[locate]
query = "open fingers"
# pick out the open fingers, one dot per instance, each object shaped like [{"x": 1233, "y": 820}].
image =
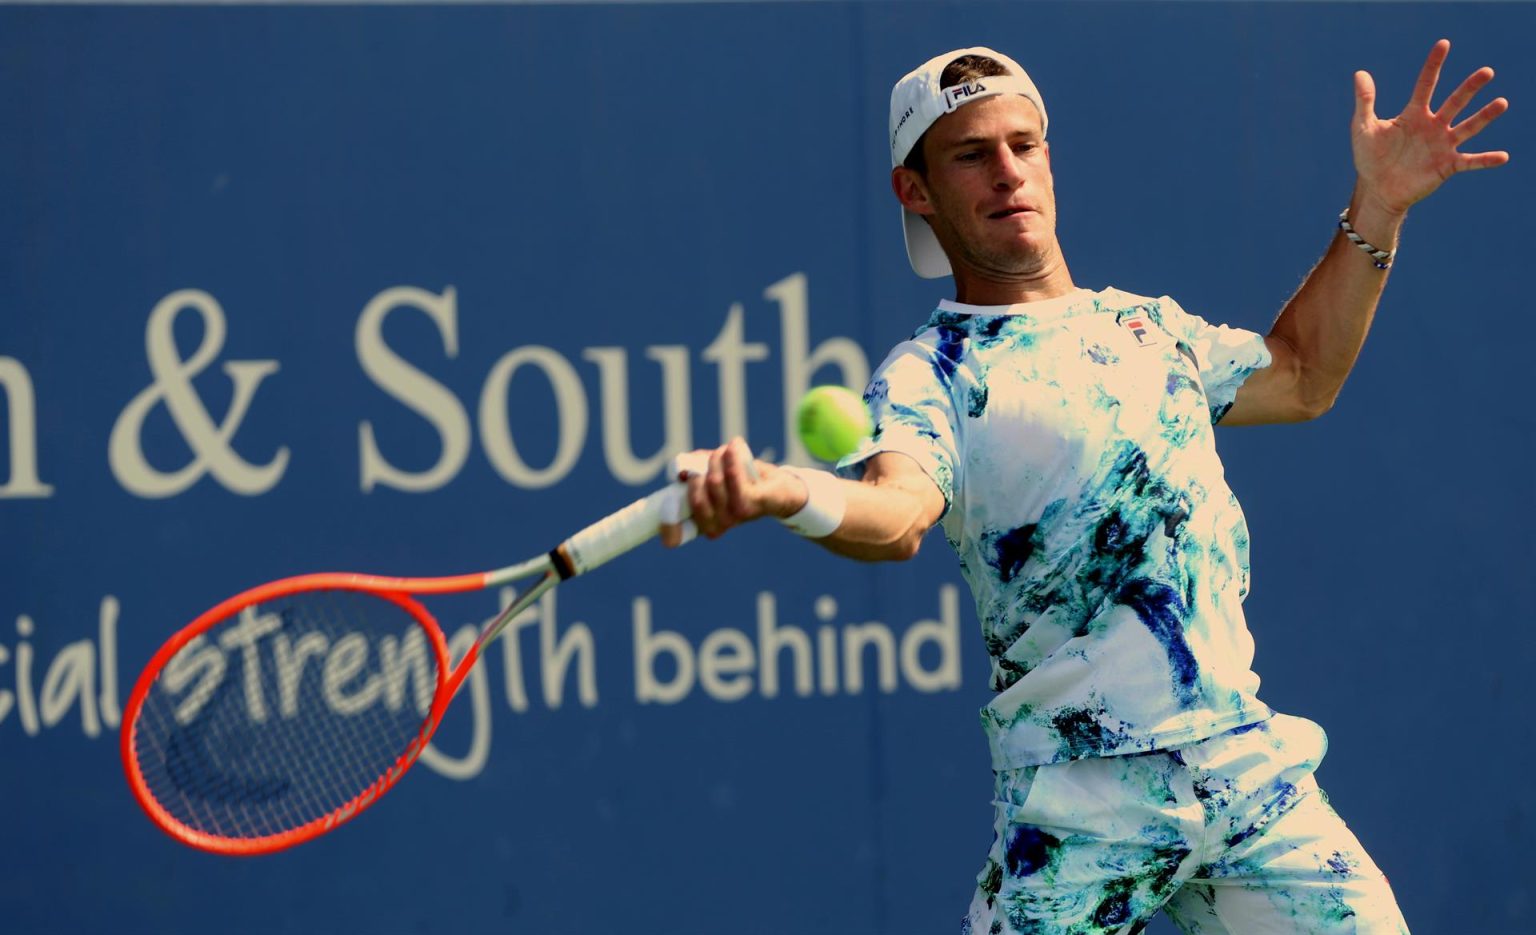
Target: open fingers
[
  {"x": 1429, "y": 75},
  {"x": 1463, "y": 95},
  {"x": 1473, "y": 161},
  {"x": 1365, "y": 97},
  {"x": 1474, "y": 124}
]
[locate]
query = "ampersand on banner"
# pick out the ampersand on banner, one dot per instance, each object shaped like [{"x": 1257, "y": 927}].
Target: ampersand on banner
[{"x": 210, "y": 442}]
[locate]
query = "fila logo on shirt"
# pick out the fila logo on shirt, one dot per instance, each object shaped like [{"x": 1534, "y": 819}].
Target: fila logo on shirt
[{"x": 1140, "y": 328}]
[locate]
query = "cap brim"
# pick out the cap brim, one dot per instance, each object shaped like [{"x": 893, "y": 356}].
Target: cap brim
[{"x": 928, "y": 259}]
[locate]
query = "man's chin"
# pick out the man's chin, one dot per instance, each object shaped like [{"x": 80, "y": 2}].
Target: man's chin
[{"x": 1018, "y": 261}]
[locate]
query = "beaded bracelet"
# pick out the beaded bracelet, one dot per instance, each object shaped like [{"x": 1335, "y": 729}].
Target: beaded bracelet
[{"x": 1383, "y": 258}]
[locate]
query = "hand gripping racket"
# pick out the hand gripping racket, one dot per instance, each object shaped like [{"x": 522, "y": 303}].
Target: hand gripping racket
[{"x": 288, "y": 709}]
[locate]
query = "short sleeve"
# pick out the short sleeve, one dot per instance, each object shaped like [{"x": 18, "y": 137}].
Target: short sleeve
[
  {"x": 1226, "y": 356},
  {"x": 911, "y": 400}
]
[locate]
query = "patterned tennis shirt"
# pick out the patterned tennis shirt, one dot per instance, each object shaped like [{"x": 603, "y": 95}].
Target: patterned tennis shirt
[{"x": 1073, "y": 442}]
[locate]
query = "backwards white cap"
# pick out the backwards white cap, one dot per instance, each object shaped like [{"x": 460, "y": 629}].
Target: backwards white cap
[{"x": 916, "y": 102}]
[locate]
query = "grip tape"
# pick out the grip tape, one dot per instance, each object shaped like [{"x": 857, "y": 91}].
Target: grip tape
[{"x": 612, "y": 536}]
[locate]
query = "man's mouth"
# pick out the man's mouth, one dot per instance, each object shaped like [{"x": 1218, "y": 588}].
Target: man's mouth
[{"x": 1007, "y": 212}]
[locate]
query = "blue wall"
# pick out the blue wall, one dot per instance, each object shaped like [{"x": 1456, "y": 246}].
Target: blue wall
[{"x": 658, "y": 181}]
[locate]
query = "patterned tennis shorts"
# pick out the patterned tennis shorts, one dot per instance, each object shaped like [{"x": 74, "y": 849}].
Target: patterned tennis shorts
[{"x": 1230, "y": 834}]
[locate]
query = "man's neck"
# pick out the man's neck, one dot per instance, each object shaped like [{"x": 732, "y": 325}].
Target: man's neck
[{"x": 975, "y": 288}]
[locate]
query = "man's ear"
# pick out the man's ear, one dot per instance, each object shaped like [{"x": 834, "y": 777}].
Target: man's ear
[{"x": 911, "y": 190}]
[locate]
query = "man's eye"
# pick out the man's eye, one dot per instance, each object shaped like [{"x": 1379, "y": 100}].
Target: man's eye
[
  {"x": 968, "y": 157},
  {"x": 1024, "y": 149}
]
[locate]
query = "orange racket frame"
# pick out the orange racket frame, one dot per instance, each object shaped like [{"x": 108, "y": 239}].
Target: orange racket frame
[{"x": 596, "y": 544}]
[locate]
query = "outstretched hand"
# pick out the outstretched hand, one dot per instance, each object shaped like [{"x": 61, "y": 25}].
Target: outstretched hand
[{"x": 1404, "y": 159}]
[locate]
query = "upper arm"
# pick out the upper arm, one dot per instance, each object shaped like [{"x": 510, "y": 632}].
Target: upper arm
[
  {"x": 1271, "y": 394},
  {"x": 911, "y": 400},
  {"x": 892, "y": 470},
  {"x": 1249, "y": 379},
  {"x": 909, "y": 470}
]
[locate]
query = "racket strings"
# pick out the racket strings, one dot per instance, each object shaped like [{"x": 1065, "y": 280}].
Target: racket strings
[{"x": 285, "y": 712}]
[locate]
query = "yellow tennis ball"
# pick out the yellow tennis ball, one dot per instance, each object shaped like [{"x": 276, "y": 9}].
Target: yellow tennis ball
[{"x": 833, "y": 421}]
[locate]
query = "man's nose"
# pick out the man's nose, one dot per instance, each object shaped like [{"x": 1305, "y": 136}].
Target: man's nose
[{"x": 1008, "y": 174}]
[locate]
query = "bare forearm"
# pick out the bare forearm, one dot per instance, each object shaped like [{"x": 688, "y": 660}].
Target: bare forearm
[
  {"x": 881, "y": 518},
  {"x": 1326, "y": 322},
  {"x": 1398, "y": 161},
  {"x": 884, "y": 523}
]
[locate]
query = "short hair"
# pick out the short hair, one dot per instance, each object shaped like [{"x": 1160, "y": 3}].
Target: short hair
[{"x": 965, "y": 68}]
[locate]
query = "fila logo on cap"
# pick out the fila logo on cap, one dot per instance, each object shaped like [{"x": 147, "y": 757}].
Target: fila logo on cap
[{"x": 955, "y": 96}]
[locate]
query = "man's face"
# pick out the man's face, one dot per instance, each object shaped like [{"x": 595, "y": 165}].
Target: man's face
[{"x": 988, "y": 192}]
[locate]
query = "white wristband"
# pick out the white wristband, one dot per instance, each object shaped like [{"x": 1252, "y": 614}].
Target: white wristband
[{"x": 825, "y": 504}]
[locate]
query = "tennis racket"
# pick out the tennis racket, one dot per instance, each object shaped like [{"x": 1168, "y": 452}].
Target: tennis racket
[{"x": 287, "y": 710}]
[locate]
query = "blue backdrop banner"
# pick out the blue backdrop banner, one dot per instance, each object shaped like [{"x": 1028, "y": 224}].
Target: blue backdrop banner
[{"x": 420, "y": 290}]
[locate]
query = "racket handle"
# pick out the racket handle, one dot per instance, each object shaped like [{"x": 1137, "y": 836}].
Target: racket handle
[{"x": 617, "y": 533}]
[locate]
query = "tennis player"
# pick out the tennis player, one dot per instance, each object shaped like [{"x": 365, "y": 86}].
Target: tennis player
[{"x": 1063, "y": 438}]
